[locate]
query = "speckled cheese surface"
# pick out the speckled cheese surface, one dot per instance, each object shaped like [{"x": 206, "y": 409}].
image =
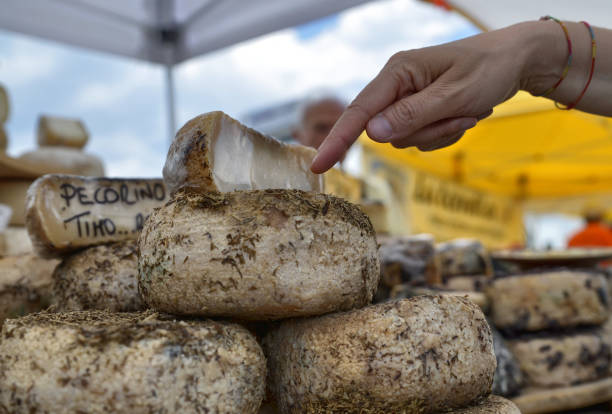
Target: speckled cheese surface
[
  {"x": 549, "y": 300},
  {"x": 263, "y": 254},
  {"x": 213, "y": 152},
  {"x": 564, "y": 360},
  {"x": 100, "y": 362},
  {"x": 418, "y": 355},
  {"x": 103, "y": 277}
]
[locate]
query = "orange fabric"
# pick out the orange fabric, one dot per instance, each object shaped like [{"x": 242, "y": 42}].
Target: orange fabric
[{"x": 593, "y": 235}]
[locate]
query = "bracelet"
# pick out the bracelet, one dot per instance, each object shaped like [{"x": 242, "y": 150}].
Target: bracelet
[
  {"x": 569, "y": 51},
  {"x": 593, "y": 54}
]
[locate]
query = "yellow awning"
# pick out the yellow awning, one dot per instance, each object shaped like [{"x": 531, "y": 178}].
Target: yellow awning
[{"x": 527, "y": 148}]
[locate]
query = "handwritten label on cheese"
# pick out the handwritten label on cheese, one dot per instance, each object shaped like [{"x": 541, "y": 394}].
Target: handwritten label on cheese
[{"x": 68, "y": 212}]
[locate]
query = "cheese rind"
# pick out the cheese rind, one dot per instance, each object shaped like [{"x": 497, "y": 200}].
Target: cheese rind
[
  {"x": 101, "y": 277},
  {"x": 419, "y": 355},
  {"x": 493, "y": 404},
  {"x": 25, "y": 285},
  {"x": 462, "y": 257},
  {"x": 3, "y": 140},
  {"x": 564, "y": 360},
  {"x": 257, "y": 255},
  {"x": 214, "y": 152},
  {"x": 137, "y": 363},
  {"x": 65, "y": 213},
  {"x": 549, "y": 300},
  {"x": 62, "y": 132},
  {"x": 65, "y": 160}
]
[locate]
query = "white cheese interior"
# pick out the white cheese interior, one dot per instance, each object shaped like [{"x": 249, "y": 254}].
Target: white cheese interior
[
  {"x": 245, "y": 162},
  {"x": 67, "y": 129}
]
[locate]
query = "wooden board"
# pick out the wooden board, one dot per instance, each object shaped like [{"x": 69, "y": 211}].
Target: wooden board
[
  {"x": 561, "y": 399},
  {"x": 578, "y": 257}
]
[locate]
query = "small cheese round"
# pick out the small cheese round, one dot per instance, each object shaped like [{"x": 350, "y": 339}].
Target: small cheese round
[
  {"x": 491, "y": 405},
  {"x": 549, "y": 300},
  {"x": 25, "y": 285},
  {"x": 563, "y": 360},
  {"x": 260, "y": 254},
  {"x": 4, "y": 105},
  {"x": 99, "y": 277},
  {"x": 102, "y": 362},
  {"x": 418, "y": 355},
  {"x": 66, "y": 160},
  {"x": 3, "y": 140}
]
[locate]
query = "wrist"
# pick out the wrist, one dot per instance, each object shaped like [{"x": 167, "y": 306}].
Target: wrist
[{"x": 545, "y": 57}]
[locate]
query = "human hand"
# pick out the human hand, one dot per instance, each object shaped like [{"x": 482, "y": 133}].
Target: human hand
[{"x": 429, "y": 97}]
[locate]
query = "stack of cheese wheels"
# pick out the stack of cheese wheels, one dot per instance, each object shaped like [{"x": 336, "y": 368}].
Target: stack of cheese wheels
[
  {"x": 92, "y": 224},
  {"x": 554, "y": 323},
  {"x": 248, "y": 235},
  {"x": 464, "y": 264}
]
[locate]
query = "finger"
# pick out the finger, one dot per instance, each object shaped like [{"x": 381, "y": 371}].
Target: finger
[
  {"x": 376, "y": 96},
  {"x": 484, "y": 115},
  {"x": 447, "y": 142},
  {"x": 409, "y": 114},
  {"x": 435, "y": 133}
]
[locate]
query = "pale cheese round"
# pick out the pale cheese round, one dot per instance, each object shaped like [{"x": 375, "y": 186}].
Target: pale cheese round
[
  {"x": 66, "y": 160},
  {"x": 420, "y": 355},
  {"x": 549, "y": 300},
  {"x": 103, "y": 277},
  {"x": 4, "y": 105},
  {"x": 102, "y": 362},
  {"x": 261, "y": 254}
]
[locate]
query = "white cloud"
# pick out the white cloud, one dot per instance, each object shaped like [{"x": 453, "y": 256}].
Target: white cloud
[{"x": 27, "y": 62}]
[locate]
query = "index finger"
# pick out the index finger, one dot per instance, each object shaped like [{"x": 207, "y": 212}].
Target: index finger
[{"x": 382, "y": 91}]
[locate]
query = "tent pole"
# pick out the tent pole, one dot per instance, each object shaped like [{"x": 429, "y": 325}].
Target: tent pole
[{"x": 170, "y": 104}]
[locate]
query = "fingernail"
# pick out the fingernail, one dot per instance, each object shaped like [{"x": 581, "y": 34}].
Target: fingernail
[{"x": 379, "y": 128}]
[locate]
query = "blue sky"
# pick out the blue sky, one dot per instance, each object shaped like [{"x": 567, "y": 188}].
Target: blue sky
[{"x": 122, "y": 100}]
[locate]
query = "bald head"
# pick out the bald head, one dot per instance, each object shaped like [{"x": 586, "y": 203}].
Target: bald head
[{"x": 316, "y": 120}]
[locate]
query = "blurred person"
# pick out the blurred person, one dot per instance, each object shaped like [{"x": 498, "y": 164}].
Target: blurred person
[
  {"x": 596, "y": 233},
  {"x": 316, "y": 117},
  {"x": 429, "y": 97}
]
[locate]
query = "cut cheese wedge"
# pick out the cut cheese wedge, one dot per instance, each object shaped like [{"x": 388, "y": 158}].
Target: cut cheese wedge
[
  {"x": 214, "y": 152},
  {"x": 64, "y": 212},
  {"x": 4, "y": 105},
  {"x": 63, "y": 132}
]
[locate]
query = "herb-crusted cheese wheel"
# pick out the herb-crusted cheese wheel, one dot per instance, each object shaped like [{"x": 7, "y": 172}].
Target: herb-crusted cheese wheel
[
  {"x": 563, "y": 360},
  {"x": 101, "y": 362},
  {"x": 99, "y": 277},
  {"x": 25, "y": 285},
  {"x": 418, "y": 355},
  {"x": 549, "y": 300},
  {"x": 66, "y": 213},
  {"x": 493, "y": 404},
  {"x": 214, "y": 152},
  {"x": 508, "y": 379},
  {"x": 62, "y": 132},
  {"x": 262, "y": 254}
]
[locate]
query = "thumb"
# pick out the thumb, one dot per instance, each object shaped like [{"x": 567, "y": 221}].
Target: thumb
[{"x": 411, "y": 113}]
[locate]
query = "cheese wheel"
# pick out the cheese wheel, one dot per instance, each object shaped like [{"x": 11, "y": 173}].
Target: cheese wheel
[
  {"x": 407, "y": 291},
  {"x": 491, "y": 405},
  {"x": 508, "y": 379},
  {"x": 418, "y": 355},
  {"x": 3, "y": 140},
  {"x": 4, "y": 105},
  {"x": 549, "y": 300},
  {"x": 25, "y": 285},
  {"x": 16, "y": 242},
  {"x": 474, "y": 283},
  {"x": 99, "y": 277},
  {"x": 62, "y": 132},
  {"x": 563, "y": 360},
  {"x": 66, "y": 212},
  {"x": 213, "y": 152},
  {"x": 101, "y": 362},
  {"x": 66, "y": 160},
  {"x": 13, "y": 194},
  {"x": 262, "y": 254},
  {"x": 462, "y": 257},
  {"x": 407, "y": 259}
]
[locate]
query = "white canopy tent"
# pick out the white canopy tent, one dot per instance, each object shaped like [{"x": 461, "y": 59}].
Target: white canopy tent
[{"x": 160, "y": 31}]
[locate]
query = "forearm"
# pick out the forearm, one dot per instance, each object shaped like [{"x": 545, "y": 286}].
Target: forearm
[{"x": 549, "y": 58}]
